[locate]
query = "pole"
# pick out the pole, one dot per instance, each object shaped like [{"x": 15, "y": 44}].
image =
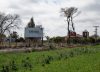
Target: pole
[{"x": 96, "y": 31}]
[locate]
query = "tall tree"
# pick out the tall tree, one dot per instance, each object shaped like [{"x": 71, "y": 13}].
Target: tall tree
[
  {"x": 70, "y": 13},
  {"x": 8, "y": 22}
]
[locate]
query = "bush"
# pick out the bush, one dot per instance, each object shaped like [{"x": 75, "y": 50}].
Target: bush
[
  {"x": 13, "y": 66},
  {"x": 51, "y": 47},
  {"x": 47, "y": 60},
  {"x": 5, "y": 69},
  {"x": 27, "y": 63}
]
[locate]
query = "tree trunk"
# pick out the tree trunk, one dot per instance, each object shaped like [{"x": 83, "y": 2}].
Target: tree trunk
[
  {"x": 72, "y": 24},
  {"x": 68, "y": 21},
  {"x": 1, "y": 39}
]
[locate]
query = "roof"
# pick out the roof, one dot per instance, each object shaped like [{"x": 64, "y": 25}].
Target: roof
[{"x": 85, "y": 31}]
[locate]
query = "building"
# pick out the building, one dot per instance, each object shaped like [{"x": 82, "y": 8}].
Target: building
[
  {"x": 85, "y": 34},
  {"x": 72, "y": 34},
  {"x": 33, "y": 33}
]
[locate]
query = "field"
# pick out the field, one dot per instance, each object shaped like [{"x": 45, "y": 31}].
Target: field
[{"x": 81, "y": 59}]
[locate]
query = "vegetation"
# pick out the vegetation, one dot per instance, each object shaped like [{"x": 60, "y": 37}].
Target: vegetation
[
  {"x": 81, "y": 59},
  {"x": 58, "y": 39},
  {"x": 70, "y": 13},
  {"x": 8, "y": 22}
]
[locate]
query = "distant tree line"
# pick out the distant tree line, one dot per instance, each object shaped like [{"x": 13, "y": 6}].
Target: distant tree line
[{"x": 81, "y": 40}]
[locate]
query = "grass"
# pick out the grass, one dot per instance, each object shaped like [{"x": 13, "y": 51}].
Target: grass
[{"x": 82, "y": 59}]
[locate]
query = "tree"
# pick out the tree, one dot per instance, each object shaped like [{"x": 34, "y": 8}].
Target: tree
[
  {"x": 21, "y": 39},
  {"x": 70, "y": 13},
  {"x": 14, "y": 35},
  {"x": 2, "y": 35},
  {"x": 8, "y": 22},
  {"x": 48, "y": 39}
]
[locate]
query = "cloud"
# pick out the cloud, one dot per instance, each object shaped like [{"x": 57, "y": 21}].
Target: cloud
[
  {"x": 47, "y": 13},
  {"x": 93, "y": 6},
  {"x": 91, "y": 20}
]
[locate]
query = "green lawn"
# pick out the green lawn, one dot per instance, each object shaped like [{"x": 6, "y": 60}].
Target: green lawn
[{"x": 82, "y": 59}]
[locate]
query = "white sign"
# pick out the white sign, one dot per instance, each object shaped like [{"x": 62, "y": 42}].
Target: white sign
[{"x": 33, "y": 32}]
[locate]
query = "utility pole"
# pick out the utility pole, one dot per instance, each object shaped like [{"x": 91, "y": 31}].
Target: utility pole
[{"x": 96, "y": 30}]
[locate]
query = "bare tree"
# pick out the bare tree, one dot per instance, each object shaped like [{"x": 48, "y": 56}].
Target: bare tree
[
  {"x": 8, "y": 22},
  {"x": 70, "y": 13}
]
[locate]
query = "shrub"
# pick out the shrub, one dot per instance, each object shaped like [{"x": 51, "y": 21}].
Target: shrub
[
  {"x": 51, "y": 47},
  {"x": 5, "y": 69},
  {"x": 13, "y": 66},
  {"x": 47, "y": 60},
  {"x": 27, "y": 63}
]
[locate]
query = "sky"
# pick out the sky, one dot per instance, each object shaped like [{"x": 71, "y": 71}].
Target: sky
[{"x": 48, "y": 14}]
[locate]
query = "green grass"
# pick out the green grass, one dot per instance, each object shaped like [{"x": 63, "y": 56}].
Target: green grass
[{"x": 82, "y": 59}]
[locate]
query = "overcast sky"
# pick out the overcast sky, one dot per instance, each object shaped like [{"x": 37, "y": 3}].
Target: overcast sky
[{"x": 47, "y": 13}]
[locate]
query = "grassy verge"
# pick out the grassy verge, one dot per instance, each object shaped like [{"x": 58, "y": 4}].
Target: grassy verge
[{"x": 82, "y": 59}]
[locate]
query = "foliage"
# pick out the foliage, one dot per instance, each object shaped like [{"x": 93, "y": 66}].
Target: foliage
[
  {"x": 27, "y": 63},
  {"x": 13, "y": 66},
  {"x": 5, "y": 69},
  {"x": 2, "y": 35},
  {"x": 86, "y": 41},
  {"x": 8, "y": 22},
  {"x": 14, "y": 35},
  {"x": 47, "y": 60},
  {"x": 21, "y": 39},
  {"x": 69, "y": 13},
  {"x": 58, "y": 39}
]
